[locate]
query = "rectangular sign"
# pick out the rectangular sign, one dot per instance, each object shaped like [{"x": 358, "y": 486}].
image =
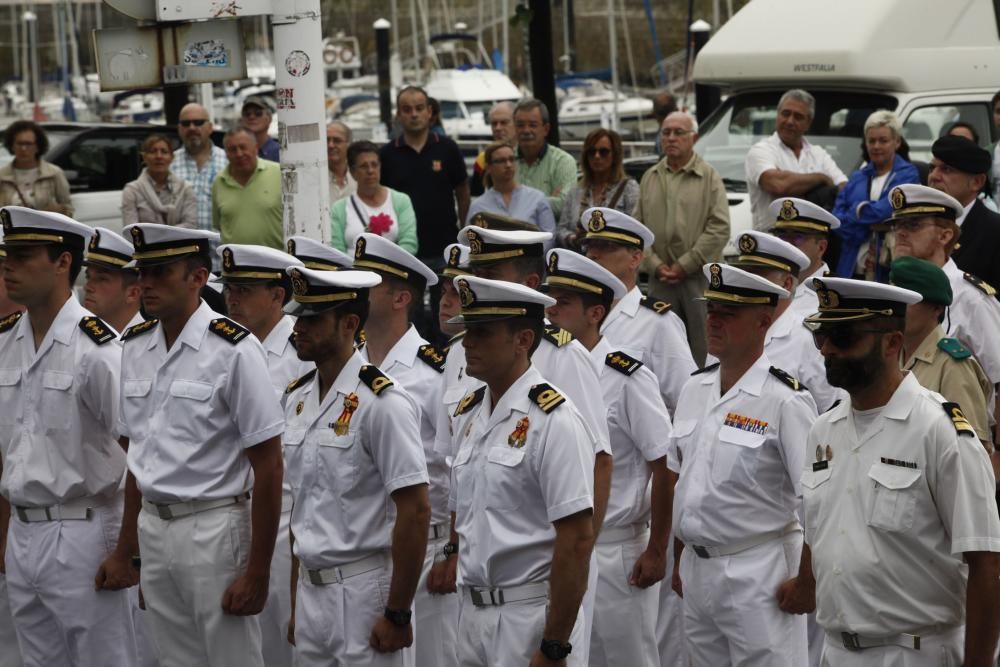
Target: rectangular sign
[{"x": 197, "y": 10}]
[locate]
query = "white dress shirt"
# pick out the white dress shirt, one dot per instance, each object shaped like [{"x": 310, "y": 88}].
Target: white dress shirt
[
  {"x": 738, "y": 456},
  {"x": 283, "y": 361},
  {"x": 888, "y": 515},
  {"x": 190, "y": 411},
  {"x": 974, "y": 318},
  {"x": 507, "y": 492},
  {"x": 342, "y": 478},
  {"x": 792, "y": 344},
  {"x": 659, "y": 340},
  {"x": 58, "y": 412}
]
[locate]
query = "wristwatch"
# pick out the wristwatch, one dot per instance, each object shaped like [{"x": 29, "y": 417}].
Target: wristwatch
[
  {"x": 400, "y": 617},
  {"x": 450, "y": 549},
  {"x": 554, "y": 649}
]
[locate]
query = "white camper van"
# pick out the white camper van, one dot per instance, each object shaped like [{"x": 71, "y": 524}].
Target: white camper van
[{"x": 933, "y": 62}]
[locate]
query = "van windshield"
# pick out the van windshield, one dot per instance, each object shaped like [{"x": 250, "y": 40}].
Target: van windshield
[{"x": 746, "y": 118}]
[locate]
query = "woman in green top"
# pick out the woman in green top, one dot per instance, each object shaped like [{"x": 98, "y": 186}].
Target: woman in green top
[{"x": 374, "y": 208}]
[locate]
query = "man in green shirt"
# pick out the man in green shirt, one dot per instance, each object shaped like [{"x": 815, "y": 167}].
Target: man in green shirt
[
  {"x": 246, "y": 195},
  {"x": 539, "y": 165}
]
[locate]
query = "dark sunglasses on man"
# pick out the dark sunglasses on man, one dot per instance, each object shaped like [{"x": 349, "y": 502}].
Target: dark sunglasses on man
[
  {"x": 194, "y": 122},
  {"x": 841, "y": 336}
]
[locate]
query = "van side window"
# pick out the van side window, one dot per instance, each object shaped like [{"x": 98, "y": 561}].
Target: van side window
[
  {"x": 103, "y": 163},
  {"x": 926, "y": 124}
]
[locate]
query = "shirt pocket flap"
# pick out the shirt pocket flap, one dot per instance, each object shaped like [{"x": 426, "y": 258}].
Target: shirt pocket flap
[
  {"x": 135, "y": 388},
  {"x": 293, "y": 437},
  {"x": 811, "y": 479},
  {"x": 199, "y": 391},
  {"x": 736, "y": 436},
  {"x": 463, "y": 456},
  {"x": 683, "y": 428},
  {"x": 894, "y": 477},
  {"x": 329, "y": 438},
  {"x": 57, "y": 380},
  {"x": 9, "y": 377},
  {"x": 505, "y": 456}
]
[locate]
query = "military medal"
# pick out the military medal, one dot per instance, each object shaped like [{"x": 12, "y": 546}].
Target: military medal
[
  {"x": 819, "y": 452},
  {"x": 829, "y": 453},
  {"x": 519, "y": 435},
  {"x": 343, "y": 423},
  {"x": 298, "y": 408}
]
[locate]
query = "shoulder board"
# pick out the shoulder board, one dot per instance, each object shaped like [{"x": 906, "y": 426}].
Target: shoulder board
[
  {"x": 295, "y": 384},
  {"x": 433, "y": 357},
  {"x": 557, "y": 336},
  {"x": 376, "y": 380},
  {"x": 787, "y": 379},
  {"x": 545, "y": 397},
  {"x": 954, "y": 348},
  {"x": 451, "y": 341},
  {"x": 835, "y": 404},
  {"x": 658, "y": 307},
  {"x": 470, "y": 400},
  {"x": 223, "y": 327},
  {"x": 291, "y": 340},
  {"x": 981, "y": 284},
  {"x": 957, "y": 418},
  {"x": 706, "y": 369},
  {"x": 97, "y": 330},
  {"x": 139, "y": 329},
  {"x": 7, "y": 323},
  {"x": 622, "y": 363}
]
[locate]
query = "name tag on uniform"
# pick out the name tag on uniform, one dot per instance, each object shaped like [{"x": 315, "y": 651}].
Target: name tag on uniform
[
  {"x": 897, "y": 462},
  {"x": 820, "y": 465}
]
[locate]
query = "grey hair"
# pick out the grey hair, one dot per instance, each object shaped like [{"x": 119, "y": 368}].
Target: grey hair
[
  {"x": 342, "y": 126},
  {"x": 506, "y": 104},
  {"x": 530, "y": 104},
  {"x": 239, "y": 129},
  {"x": 692, "y": 121},
  {"x": 801, "y": 96},
  {"x": 884, "y": 118}
]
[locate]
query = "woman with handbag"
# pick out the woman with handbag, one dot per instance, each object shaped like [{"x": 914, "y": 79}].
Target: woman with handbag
[
  {"x": 29, "y": 180},
  {"x": 159, "y": 196},
  {"x": 374, "y": 208}
]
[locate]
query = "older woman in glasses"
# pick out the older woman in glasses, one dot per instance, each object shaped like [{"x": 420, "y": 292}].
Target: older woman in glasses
[
  {"x": 604, "y": 183},
  {"x": 505, "y": 196}
]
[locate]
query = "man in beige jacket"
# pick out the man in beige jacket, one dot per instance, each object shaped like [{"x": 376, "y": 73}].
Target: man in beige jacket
[{"x": 682, "y": 199}]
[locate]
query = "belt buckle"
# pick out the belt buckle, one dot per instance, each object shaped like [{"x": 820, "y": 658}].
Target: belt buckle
[
  {"x": 477, "y": 597},
  {"x": 22, "y": 514},
  {"x": 315, "y": 578},
  {"x": 701, "y": 552},
  {"x": 850, "y": 640},
  {"x": 163, "y": 511}
]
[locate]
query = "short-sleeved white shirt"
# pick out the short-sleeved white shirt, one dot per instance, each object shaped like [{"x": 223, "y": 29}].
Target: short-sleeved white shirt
[
  {"x": 412, "y": 363},
  {"x": 640, "y": 428},
  {"x": 456, "y": 384},
  {"x": 888, "y": 516},
  {"x": 804, "y": 301},
  {"x": 190, "y": 412},
  {"x": 658, "y": 340},
  {"x": 283, "y": 361},
  {"x": 737, "y": 456},
  {"x": 770, "y": 153},
  {"x": 973, "y": 317},
  {"x": 341, "y": 481},
  {"x": 58, "y": 412},
  {"x": 506, "y": 493},
  {"x": 564, "y": 364},
  {"x": 790, "y": 341}
]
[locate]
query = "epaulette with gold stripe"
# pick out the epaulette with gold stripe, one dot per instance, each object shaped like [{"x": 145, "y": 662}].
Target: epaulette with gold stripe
[
  {"x": 97, "y": 330},
  {"x": 225, "y": 328},
  {"x": 376, "y": 380},
  {"x": 957, "y": 417},
  {"x": 980, "y": 284},
  {"x": 658, "y": 307},
  {"x": 787, "y": 379},
  {"x": 295, "y": 384},
  {"x": 622, "y": 363},
  {"x": 545, "y": 397},
  {"x": 433, "y": 357},
  {"x": 139, "y": 329},
  {"x": 470, "y": 400},
  {"x": 557, "y": 336},
  {"x": 7, "y": 323}
]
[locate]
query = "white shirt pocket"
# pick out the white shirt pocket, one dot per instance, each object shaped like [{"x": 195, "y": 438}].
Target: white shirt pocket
[
  {"x": 10, "y": 396},
  {"x": 337, "y": 456},
  {"x": 737, "y": 450},
  {"x": 58, "y": 399},
  {"x": 505, "y": 477},
  {"x": 894, "y": 498},
  {"x": 291, "y": 443}
]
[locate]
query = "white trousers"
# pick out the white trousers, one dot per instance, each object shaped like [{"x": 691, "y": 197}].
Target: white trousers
[
  {"x": 670, "y": 619},
  {"x": 333, "y": 623},
  {"x": 508, "y": 635},
  {"x": 731, "y": 614},
  {"x": 58, "y": 616},
  {"x": 10, "y": 652},
  {"x": 187, "y": 565},
  {"x": 624, "y": 631},
  {"x": 586, "y": 615},
  {"x": 941, "y": 650},
  {"x": 435, "y": 618},
  {"x": 145, "y": 649},
  {"x": 278, "y": 610}
]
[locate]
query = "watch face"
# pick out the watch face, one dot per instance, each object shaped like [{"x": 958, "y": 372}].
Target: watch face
[{"x": 555, "y": 650}]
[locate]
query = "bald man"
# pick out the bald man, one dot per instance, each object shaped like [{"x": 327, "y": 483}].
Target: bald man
[
  {"x": 501, "y": 119},
  {"x": 198, "y": 161}
]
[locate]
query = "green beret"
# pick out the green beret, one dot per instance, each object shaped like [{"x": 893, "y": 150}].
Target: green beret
[{"x": 923, "y": 277}]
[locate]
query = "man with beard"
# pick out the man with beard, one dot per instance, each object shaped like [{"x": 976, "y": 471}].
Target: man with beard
[
  {"x": 897, "y": 494},
  {"x": 198, "y": 161},
  {"x": 737, "y": 448},
  {"x": 359, "y": 483}
]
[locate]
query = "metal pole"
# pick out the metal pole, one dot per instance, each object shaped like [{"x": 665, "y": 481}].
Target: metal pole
[
  {"x": 30, "y": 19},
  {"x": 382, "y": 28},
  {"x": 207, "y": 100},
  {"x": 542, "y": 71},
  {"x": 74, "y": 47},
  {"x": 415, "y": 33},
  {"x": 14, "y": 42},
  {"x": 613, "y": 47},
  {"x": 394, "y": 19},
  {"x": 300, "y": 83},
  {"x": 569, "y": 33},
  {"x": 505, "y": 31}
]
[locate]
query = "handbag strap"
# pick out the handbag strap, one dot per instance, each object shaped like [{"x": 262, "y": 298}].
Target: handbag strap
[
  {"x": 618, "y": 193},
  {"x": 357, "y": 210}
]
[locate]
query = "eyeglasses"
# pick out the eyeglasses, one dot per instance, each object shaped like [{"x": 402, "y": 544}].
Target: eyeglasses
[
  {"x": 603, "y": 152},
  {"x": 503, "y": 160},
  {"x": 674, "y": 133},
  {"x": 841, "y": 337},
  {"x": 194, "y": 122},
  {"x": 24, "y": 144}
]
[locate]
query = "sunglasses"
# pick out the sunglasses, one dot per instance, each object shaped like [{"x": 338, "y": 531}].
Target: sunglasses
[
  {"x": 841, "y": 337},
  {"x": 197, "y": 122},
  {"x": 603, "y": 152}
]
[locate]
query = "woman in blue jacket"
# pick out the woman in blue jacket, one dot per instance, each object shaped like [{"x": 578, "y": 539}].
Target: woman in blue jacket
[{"x": 864, "y": 201}]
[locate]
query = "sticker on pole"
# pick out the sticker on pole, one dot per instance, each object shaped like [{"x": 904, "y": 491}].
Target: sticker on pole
[
  {"x": 297, "y": 63},
  {"x": 284, "y": 98},
  {"x": 206, "y": 53}
]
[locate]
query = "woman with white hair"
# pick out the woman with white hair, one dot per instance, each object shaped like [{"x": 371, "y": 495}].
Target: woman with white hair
[{"x": 864, "y": 201}]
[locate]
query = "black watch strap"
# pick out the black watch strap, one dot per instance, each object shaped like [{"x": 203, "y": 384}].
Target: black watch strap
[
  {"x": 398, "y": 617},
  {"x": 450, "y": 549},
  {"x": 555, "y": 650}
]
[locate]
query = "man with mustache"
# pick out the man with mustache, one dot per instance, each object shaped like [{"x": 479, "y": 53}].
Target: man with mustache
[{"x": 897, "y": 493}]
